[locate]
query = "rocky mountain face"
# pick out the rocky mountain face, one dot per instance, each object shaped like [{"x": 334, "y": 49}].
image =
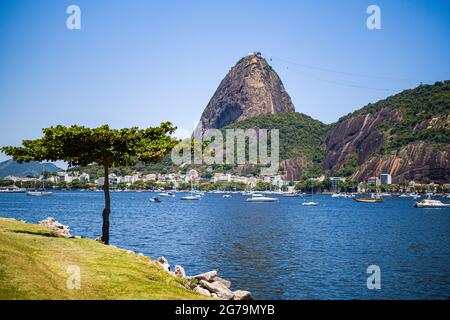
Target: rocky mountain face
[
  {"x": 250, "y": 88},
  {"x": 406, "y": 135},
  {"x": 418, "y": 162},
  {"x": 358, "y": 136}
]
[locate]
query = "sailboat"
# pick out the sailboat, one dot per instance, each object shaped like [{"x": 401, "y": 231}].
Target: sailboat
[
  {"x": 310, "y": 203},
  {"x": 42, "y": 193},
  {"x": 193, "y": 195}
]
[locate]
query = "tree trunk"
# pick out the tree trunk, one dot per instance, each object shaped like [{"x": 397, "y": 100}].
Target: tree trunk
[{"x": 107, "y": 210}]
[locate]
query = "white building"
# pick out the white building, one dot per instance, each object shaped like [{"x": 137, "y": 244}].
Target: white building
[
  {"x": 335, "y": 181},
  {"x": 68, "y": 178},
  {"x": 221, "y": 177},
  {"x": 373, "y": 181},
  {"x": 386, "y": 178},
  {"x": 84, "y": 177},
  {"x": 130, "y": 179}
]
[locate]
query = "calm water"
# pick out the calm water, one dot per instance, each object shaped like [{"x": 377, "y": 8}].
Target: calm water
[{"x": 275, "y": 250}]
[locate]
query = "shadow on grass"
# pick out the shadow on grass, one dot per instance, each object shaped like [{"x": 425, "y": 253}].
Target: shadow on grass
[{"x": 37, "y": 233}]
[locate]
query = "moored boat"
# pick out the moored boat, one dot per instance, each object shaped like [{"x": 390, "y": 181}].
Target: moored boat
[
  {"x": 429, "y": 203},
  {"x": 373, "y": 199},
  {"x": 257, "y": 197},
  {"x": 191, "y": 197},
  {"x": 310, "y": 204},
  {"x": 369, "y": 200},
  {"x": 39, "y": 193},
  {"x": 166, "y": 194}
]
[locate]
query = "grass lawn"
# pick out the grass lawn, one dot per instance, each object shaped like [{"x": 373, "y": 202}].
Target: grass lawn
[{"x": 34, "y": 264}]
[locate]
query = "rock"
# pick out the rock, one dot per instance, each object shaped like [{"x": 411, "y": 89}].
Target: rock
[
  {"x": 242, "y": 295},
  {"x": 251, "y": 88},
  {"x": 162, "y": 261},
  {"x": 202, "y": 291},
  {"x": 225, "y": 282},
  {"x": 218, "y": 288},
  {"x": 179, "y": 271},
  {"x": 214, "y": 295},
  {"x": 98, "y": 239},
  {"x": 207, "y": 276},
  {"x": 140, "y": 254},
  {"x": 56, "y": 226}
]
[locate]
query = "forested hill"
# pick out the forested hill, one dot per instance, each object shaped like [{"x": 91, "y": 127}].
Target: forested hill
[
  {"x": 301, "y": 140},
  {"x": 406, "y": 135}
]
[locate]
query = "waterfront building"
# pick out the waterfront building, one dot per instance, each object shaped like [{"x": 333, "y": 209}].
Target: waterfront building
[
  {"x": 373, "y": 181},
  {"x": 385, "y": 178},
  {"x": 335, "y": 181}
]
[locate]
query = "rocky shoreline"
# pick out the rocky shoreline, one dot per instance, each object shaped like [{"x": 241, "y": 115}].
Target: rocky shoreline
[{"x": 208, "y": 283}]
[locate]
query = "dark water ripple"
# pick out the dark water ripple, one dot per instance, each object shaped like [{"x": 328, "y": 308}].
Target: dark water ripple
[{"x": 276, "y": 250}]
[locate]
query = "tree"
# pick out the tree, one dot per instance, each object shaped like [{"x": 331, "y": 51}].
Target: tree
[{"x": 81, "y": 146}]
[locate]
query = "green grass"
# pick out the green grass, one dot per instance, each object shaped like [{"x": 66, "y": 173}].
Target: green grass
[{"x": 34, "y": 262}]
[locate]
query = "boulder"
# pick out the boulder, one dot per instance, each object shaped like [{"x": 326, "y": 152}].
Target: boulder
[
  {"x": 207, "y": 276},
  {"x": 56, "y": 226},
  {"x": 202, "y": 291},
  {"x": 218, "y": 288},
  {"x": 242, "y": 295},
  {"x": 179, "y": 271},
  {"x": 162, "y": 261},
  {"x": 225, "y": 282}
]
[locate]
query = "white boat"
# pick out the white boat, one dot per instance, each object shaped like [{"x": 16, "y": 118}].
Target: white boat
[
  {"x": 13, "y": 190},
  {"x": 257, "y": 197},
  {"x": 39, "y": 193},
  {"x": 191, "y": 197},
  {"x": 42, "y": 193},
  {"x": 310, "y": 204},
  {"x": 226, "y": 196},
  {"x": 385, "y": 194},
  {"x": 166, "y": 194},
  {"x": 336, "y": 195},
  {"x": 429, "y": 203}
]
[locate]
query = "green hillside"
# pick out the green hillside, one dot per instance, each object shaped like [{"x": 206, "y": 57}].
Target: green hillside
[
  {"x": 425, "y": 110},
  {"x": 300, "y": 136},
  {"x": 34, "y": 262}
]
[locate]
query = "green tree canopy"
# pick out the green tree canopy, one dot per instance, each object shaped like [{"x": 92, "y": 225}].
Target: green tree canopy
[{"x": 81, "y": 146}]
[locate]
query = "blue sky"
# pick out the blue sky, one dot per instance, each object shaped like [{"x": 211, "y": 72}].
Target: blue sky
[{"x": 137, "y": 63}]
